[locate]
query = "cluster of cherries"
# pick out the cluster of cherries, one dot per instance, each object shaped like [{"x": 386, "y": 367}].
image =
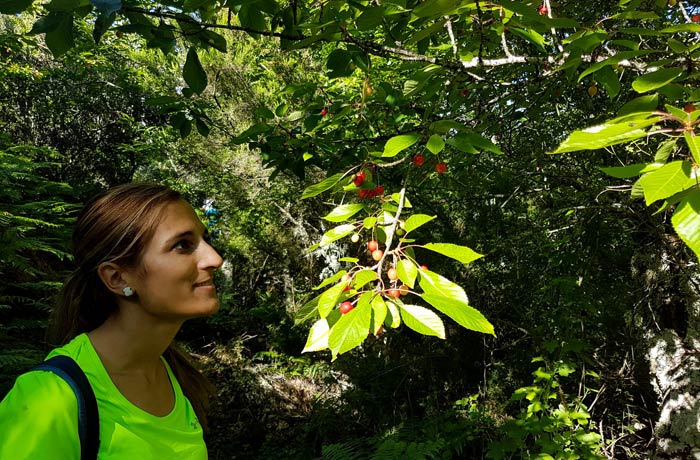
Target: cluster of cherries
[
  {"x": 359, "y": 179},
  {"x": 419, "y": 160},
  {"x": 393, "y": 292}
]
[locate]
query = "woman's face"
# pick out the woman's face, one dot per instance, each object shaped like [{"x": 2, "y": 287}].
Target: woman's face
[{"x": 175, "y": 278}]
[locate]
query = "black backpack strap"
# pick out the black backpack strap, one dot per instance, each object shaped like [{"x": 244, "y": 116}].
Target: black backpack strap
[{"x": 88, "y": 417}]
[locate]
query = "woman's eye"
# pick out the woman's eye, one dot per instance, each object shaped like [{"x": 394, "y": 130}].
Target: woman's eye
[{"x": 184, "y": 244}]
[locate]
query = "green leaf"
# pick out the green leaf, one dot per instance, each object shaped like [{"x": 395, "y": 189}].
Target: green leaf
[
  {"x": 665, "y": 150},
  {"x": 62, "y": 5},
  {"x": 693, "y": 144},
  {"x": 344, "y": 212},
  {"x": 529, "y": 35},
  {"x": 194, "y": 73},
  {"x": 336, "y": 233},
  {"x": 610, "y": 81},
  {"x": 616, "y": 59},
  {"x": 666, "y": 181},
  {"x": 106, "y": 7},
  {"x": 330, "y": 280},
  {"x": 379, "y": 312},
  {"x": 450, "y": 299},
  {"x": 102, "y": 24},
  {"x": 252, "y": 132},
  {"x": 14, "y": 6},
  {"x": 369, "y": 222},
  {"x": 340, "y": 64},
  {"x": 214, "y": 40},
  {"x": 202, "y": 127},
  {"x": 435, "y": 8},
  {"x": 445, "y": 126},
  {"x": 435, "y": 144},
  {"x": 416, "y": 220},
  {"x": 352, "y": 328},
  {"x": 422, "y": 320},
  {"x": 686, "y": 221},
  {"x": 653, "y": 80},
  {"x": 325, "y": 184},
  {"x": 455, "y": 251},
  {"x": 616, "y": 131},
  {"x": 647, "y": 103},
  {"x": 473, "y": 143},
  {"x": 393, "y": 318},
  {"x": 398, "y": 143},
  {"x": 329, "y": 298},
  {"x": 58, "y": 28},
  {"x": 307, "y": 311},
  {"x": 363, "y": 277},
  {"x": 407, "y": 272},
  {"x": 318, "y": 336},
  {"x": 370, "y": 18},
  {"x": 624, "y": 172}
]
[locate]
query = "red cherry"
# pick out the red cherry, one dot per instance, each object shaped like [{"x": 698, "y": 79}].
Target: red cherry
[
  {"x": 324, "y": 112},
  {"x": 359, "y": 178},
  {"x": 418, "y": 160},
  {"x": 372, "y": 245},
  {"x": 392, "y": 274},
  {"x": 696, "y": 18},
  {"x": 403, "y": 289},
  {"x": 690, "y": 108},
  {"x": 441, "y": 167},
  {"x": 377, "y": 255},
  {"x": 363, "y": 193},
  {"x": 379, "y": 190},
  {"x": 345, "y": 307},
  {"x": 393, "y": 293},
  {"x": 424, "y": 267},
  {"x": 542, "y": 10}
]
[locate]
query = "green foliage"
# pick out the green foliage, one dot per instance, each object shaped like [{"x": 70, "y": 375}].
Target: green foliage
[
  {"x": 35, "y": 218},
  {"x": 553, "y": 426}
]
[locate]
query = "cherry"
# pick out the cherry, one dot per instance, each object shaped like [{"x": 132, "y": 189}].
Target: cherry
[
  {"x": 441, "y": 167},
  {"x": 696, "y": 18},
  {"x": 324, "y": 112},
  {"x": 403, "y": 289},
  {"x": 359, "y": 178},
  {"x": 392, "y": 274},
  {"x": 377, "y": 255},
  {"x": 345, "y": 307},
  {"x": 355, "y": 237},
  {"x": 542, "y": 10},
  {"x": 418, "y": 160},
  {"x": 364, "y": 193},
  {"x": 424, "y": 267},
  {"x": 372, "y": 245},
  {"x": 690, "y": 108},
  {"x": 378, "y": 190},
  {"x": 393, "y": 293}
]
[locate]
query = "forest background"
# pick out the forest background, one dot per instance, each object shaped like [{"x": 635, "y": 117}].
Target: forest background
[{"x": 538, "y": 156}]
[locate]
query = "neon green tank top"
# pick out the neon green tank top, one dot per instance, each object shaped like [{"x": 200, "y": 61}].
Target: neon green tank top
[{"x": 38, "y": 418}]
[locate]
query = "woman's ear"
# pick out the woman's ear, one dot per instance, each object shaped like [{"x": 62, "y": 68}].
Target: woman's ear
[{"x": 113, "y": 277}]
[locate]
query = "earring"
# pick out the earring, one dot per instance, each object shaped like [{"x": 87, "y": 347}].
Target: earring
[{"x": 128, "y": 291}]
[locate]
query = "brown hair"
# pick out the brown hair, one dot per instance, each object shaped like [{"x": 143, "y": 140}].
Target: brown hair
[{"x": 115, "y": 227}]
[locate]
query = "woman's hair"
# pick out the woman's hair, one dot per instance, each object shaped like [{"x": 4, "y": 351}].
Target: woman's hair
[{"x": 116, "y": 227}]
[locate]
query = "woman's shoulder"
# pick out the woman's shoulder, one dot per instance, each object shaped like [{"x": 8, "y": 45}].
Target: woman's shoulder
[
  {"x": 39, "y": 414},
  {"x": 41, "y": 390}
]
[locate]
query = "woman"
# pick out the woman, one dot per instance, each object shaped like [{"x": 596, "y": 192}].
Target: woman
[{"x": 143, "y": 268}]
